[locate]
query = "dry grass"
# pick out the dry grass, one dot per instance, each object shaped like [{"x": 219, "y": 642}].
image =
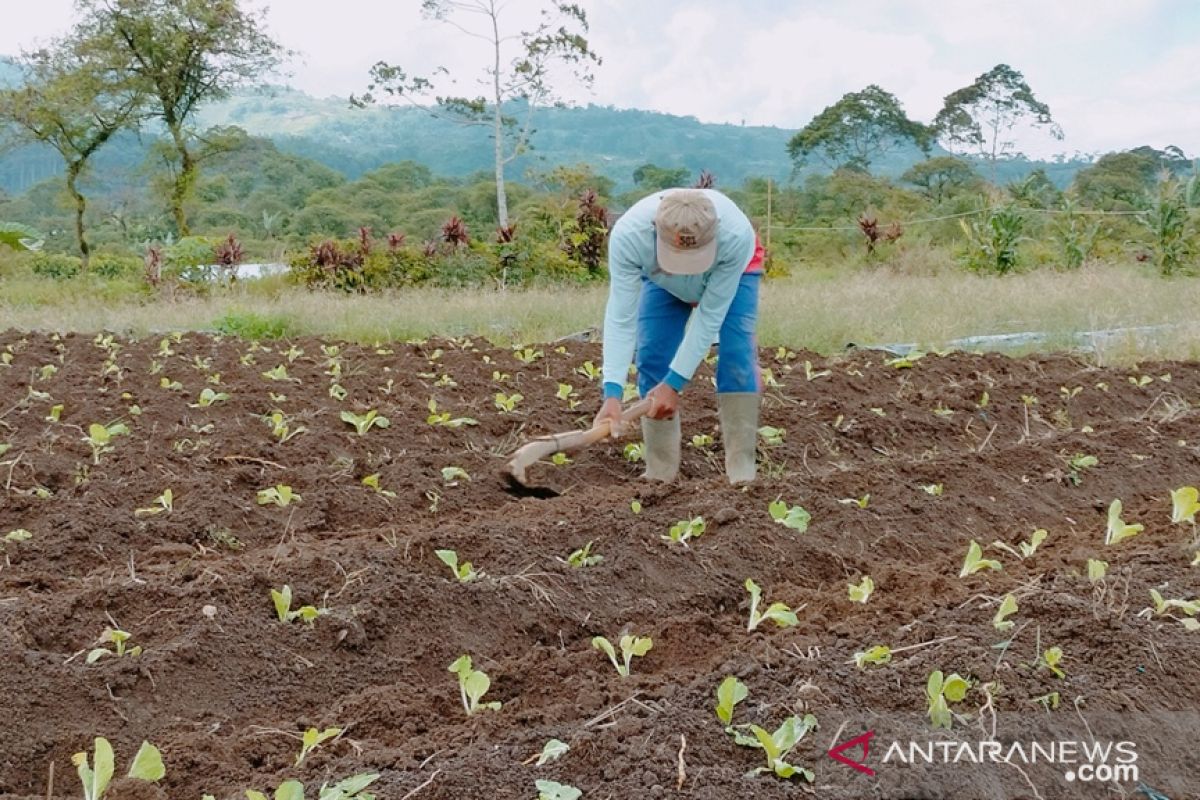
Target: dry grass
[{"x": 821, "y": 310}]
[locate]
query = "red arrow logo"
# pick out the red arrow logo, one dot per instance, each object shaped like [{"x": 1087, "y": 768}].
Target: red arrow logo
[{"x": 837, "y": 753}]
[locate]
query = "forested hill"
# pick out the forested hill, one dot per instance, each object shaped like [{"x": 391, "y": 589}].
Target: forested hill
[{"x": 614, "y": 142}]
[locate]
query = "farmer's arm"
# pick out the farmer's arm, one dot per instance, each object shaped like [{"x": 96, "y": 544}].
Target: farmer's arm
[
  {"x": 710, "y": 312},
  {"x": 620, "y": 316}
]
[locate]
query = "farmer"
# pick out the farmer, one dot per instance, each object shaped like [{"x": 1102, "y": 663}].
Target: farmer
[{"x": 685, "y": 266}]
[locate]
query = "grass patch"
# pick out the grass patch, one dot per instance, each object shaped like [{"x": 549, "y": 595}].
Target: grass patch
[{"x": 253, "y": 325}]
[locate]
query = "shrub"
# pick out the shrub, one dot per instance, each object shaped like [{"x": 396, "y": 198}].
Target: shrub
[
  {"x": 55, "y": 265},
  {"x": 249, "y": 325},
  {"x": 115, "y": 265}
]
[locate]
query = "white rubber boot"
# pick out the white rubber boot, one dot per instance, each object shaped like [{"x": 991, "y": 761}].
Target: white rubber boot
[
  {"x": 661, "y": 439},
  {"x": 739, "y": 434}
]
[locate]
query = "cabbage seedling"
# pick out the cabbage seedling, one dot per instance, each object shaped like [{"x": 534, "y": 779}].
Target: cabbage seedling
[
  {"x": 473, "y": 684},
  {"x": 507, "y": 403},
  {"x": 631, "y": 646},
  {"x": 338, "y": 392},
  {"x": 878, "y": 655},
  {"x": 527, "y": 355},
  {"x": 1185, "y": 502},
  {"x": 975, "y": 561},
  {"x": 451, "y": 475},
  {"x": 729, "y": 694},
  {"x": 772, "y": 437},
  {"x": 861, "y": 592},
  {"x": 1117, "y": 530},
  {"x": 444, "y": 419},
  {"x": 812, "y": 374},
  {"x": 634, "y": 452},
  {"x": 279, "y": 373},
  {"x": 312, "y": 739},
  {"x": 117, "y": 638},
  {"x": 552, "y": 790},
  {"x": 351, "y": 788},
  {"x": 147, "y": 766},
  {"x": 684, "y": 530},
  {"x": 282, "y": 599},
  {"x": 208, "y": 397},
  {"x": 1162, "y": 606},
  {"x": 861, "y": 502},
  {"x": 905, "y": 361},
  {"x": 1096, "y": 569},
  {"x": 934, "y": 489},
  {"x": 279, "y": 494},
  {"x": 702, "y": 441},
  {"x": 464, "y": 572},
  {"x": 363, "y": 423},
  {"x": 99, "y": 438},
  {"x": 583, "y": 557},
  {"x": 589, "y": 371},
  {"x": 1008, "y": 607},
  {"x": 1024, "y": 550},
  {"x": 281, "y": 426},
  {"x": 1051, "y": 658},
  {"x": 372, "y": 482},
  {"x": 777, "y": 745},
  {"x": 553, "y": 750},
  {"x": 794, "y": 517},
  {"x": 1078, "y": 463},
  {"x": 779, "y": 613},
  {"x": 165, "y": 502},
  {"x": 940, "y": 691},
  {"x": 18, "y": 535}
]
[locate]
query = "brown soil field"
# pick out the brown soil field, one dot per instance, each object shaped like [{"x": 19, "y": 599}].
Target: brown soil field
[{"x": 952, "y": 449}]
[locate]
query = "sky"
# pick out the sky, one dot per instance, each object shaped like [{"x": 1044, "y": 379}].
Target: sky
[{"x": 1116, "y": 73}]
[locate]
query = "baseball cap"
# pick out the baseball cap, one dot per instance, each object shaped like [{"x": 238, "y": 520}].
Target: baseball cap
[{"x": 686, "y": 222}]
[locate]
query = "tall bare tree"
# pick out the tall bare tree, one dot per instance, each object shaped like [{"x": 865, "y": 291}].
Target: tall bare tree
[
  {"x": 518, "y": 73},
  {"x": 74, "y": 101},
  {"x": 183, "y": 53}
]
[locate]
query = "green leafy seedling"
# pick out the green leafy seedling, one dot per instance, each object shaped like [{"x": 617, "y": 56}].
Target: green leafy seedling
[
  {"x": 1117, "y": 530},
  {"x": 730, "y": 692},
  {"x": 1185, "y": 502},
  {"x": 634, "y": 452},
  {"x": 100, "y": 438},
  {"x": 1077, "y": 464},
  {"x": 527, "y": 355},
  {"x": 772, "y": 437},
  {"x": 552, "y": 790},
  {"x": 473, "y": 684},
  {"x": 779, "y": 613},
  {"x": 281, "y": 427},
  {"x": 590, "y": 371},
  {"x": 372, "y": 482},
  {"x": 1024, "y": 550},
  {"x": 507, "y": 403},
  {"x": 164, "y": 503},
  {"x": 862, "y": 591},
  {"x": 878, "y": 655},
  {"x": 15, "y": 536},
  {"x": 1161, "y": 606},
  {"x": 975, "y": 561},
  {"x": 118, "y": 639},
  {"x": 443, "y": 418},
  {"x": 1050, "y": 701},
  {"x": 312, "y": 739},
  {"x": 1051, "y": 659},
  {"x": 208, "y": 398},
  {"x": 1008, "y": 607},
  {"x": 464, "y": 572},
  {"x": 631, "y": 647},
  {"x": 635, "y": 506},
  {"x": 352, "y": 788},
  {"x": 1096, "y": 569},
  {"x": 364, "y": 422},
  {"x": 282, "y": 600},
  {"x": 583, "y": 557},
  {"x": 940, "y": 691},
  {"x": 553, "y": 750},
  {"x": 279, "y": 494},
  {"x": 861, "y": 502},
  {"x": 685, "y": 530},
  {"x": 451, "y": 475},
  {"x": 794, "y": 517},
  {"x": 147, "y": 766},
  {"x": 934, "y": 489},
  {"x": 777, "y": 745},
  {"x": 702, "y": 441},
  {"x": 279, "y": 373}
]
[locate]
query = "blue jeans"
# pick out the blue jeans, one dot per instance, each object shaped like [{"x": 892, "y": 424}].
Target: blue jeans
[{"x": 662, "y": 318}]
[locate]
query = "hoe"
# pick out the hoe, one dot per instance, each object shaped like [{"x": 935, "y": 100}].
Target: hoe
[{"x": 516, "y": 471}]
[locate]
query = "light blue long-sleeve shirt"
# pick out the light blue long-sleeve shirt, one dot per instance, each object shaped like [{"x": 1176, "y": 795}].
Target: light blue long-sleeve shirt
[{"x": 632, "y": 256}]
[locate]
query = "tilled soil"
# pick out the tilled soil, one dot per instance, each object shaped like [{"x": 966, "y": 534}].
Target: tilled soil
[{"x": 953, "y": 449}]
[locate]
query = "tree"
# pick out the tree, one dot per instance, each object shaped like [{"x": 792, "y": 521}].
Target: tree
[
  {"x": 940, "y": 177},
  {"x": 71, "y": 101},
  {"x": 981, "y": 118},
  {"x": 1117, "y": 181},
  {"x": 652, "y": 178},
  {"x": 856, "y": 130},
  {"x": 183, "y": 53},
  {"x": 521, "y": 83}
]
